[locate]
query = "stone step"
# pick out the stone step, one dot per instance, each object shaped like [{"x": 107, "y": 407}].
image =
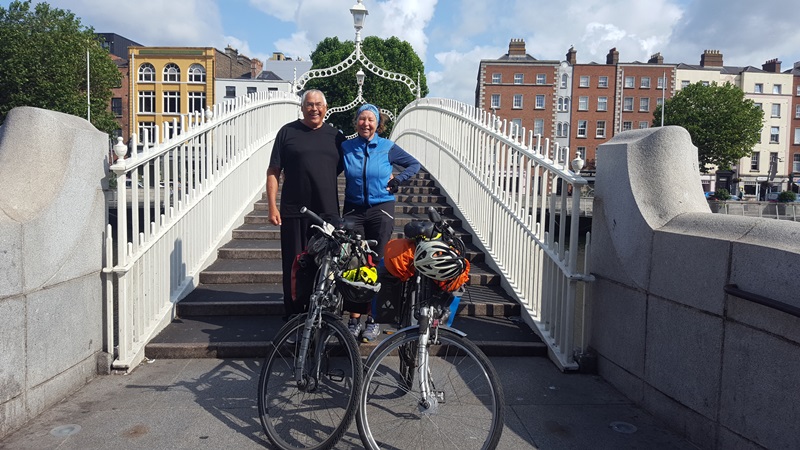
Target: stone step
[
  {"x": 250, "y": 337},
  {"x": 250, "y": 249},
  {"x": 267, "y": 299},
  {"x": 400, "y": 207},
  {"x": 257, "y": 231},
  {"x": 261, "y": 217},
  {"x": 268, "y": 271}
]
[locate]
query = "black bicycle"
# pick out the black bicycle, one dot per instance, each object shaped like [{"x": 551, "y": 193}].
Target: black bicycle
[
  {"x": 428, "y": 386},
  {"x": 312, "y": 376}
]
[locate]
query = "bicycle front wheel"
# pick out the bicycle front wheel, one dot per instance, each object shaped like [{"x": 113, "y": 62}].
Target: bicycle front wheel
[
  {"x": 464, "y": 410},
  {"x": 315, "y": 412}
]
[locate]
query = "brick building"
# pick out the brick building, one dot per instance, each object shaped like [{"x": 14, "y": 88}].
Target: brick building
[{"x": 794, "y": 143}]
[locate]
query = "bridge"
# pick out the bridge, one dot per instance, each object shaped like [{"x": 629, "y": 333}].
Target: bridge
[{"x": 692, "y": 315}]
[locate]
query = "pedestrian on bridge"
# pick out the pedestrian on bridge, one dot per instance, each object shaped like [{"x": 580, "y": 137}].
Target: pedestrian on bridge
[
  {"x": 369, "y": 192},
  {"x": 309, "y": 156}
]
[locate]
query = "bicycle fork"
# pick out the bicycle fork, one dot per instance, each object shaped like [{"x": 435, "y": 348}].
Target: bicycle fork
[{"x": 429, "y": 396}]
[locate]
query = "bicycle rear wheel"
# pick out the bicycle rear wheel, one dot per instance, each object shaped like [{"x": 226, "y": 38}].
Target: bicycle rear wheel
[
  {"x": 466, "y": 411},
  {"x": 316, "y": 413}
]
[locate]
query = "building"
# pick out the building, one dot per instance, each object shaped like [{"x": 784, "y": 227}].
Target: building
[
  {"x": 117, "y": 45},
  {"x": 171, "y": 82},
  {"x": 278, "y": 73},
  {"x": 577, "y": 106},
  {"x": 794, "y": 144},
  {"x": 767, "y": 168},
  {"x": 120, "y": 100}
]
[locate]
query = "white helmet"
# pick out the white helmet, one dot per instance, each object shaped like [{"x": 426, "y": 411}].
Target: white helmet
[{"x": 438, "y": 261}]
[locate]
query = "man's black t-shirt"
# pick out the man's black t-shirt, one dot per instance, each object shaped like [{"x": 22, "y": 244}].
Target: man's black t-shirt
[{"x": 310, "y": 160}]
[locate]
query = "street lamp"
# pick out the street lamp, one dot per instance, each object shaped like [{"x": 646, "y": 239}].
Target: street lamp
[
  {"x": 359, "y": 12},
  {"x": 359, "y": 100}
]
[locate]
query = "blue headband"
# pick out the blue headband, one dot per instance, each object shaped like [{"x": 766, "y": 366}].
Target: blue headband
[{"x": 371, "y": 108}]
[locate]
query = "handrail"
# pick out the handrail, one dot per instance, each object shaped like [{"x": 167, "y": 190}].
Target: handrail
[{"x": 734, "y": 290}]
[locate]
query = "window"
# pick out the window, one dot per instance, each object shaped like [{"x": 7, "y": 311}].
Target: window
[
  {"x": 172, "y": 72},
  {"x": 565, "y": 81},
  {"x": 230, "y": 91},
  {"x": 172, "y": 102},
  {"x": 644, "y": 82},
  {"x": 561, "y": 104},
  {"x": 495, "y": 101},
  {"x": 519, "y": 78},
  {"x": 601, "y": 129},
  {"x": 629, "y": 82},
  {"x": 797, "y": 112},
  {"x": 602, "y": 82},
  {"x": 582, "y": 124},
  {"x": 582, "y": 151},
  {"x": 627, "y": 104},
  {"x": 659, "y": 101},
  {"x": 251, "y": 90},
  {"x": 538, "y": 127},
  {"x": 773, "y": 161},
  {"x": 759, "y": 106},
  {"x": 147, "y": 132},
  {"x": 516, "y": 127},
  {"x": 566, "y": 104},
  {"x": 627, "y": 125},
  {"x": 796, "y": 156},
  {"x": 147, "y": 102},
  {"x": 583, "y": 103},
  {"x": 684, "y": 83},
  {"x": 644, "y": 104},
  {"x": 147, "y": 73},
  {"x": 754, "y": 162},
  {"x": 643, "y": 124},
  {"x": 660, "y": 83},
  {"x": 197, "y": 74},
  {"x": 706, "y": 83},
  {"x": 116, "y": 106},
  {"x": 602, "y": 103},
  {"x": 541, "y": 78},
  {"x": 539, "y": 101},
  {"x": 197, "y": 101},
  {"x": 777, "y": 88},
  {"x": 758, "y": 88},
  {"x": 584, "y": 81},
  {"x": 773, "y": 134},
  {"x": 776, "y": 110},
  {"x": 497, "y": 78},
  {"x": 517, "y": 101},
  {"x": 562, "y": 129}
]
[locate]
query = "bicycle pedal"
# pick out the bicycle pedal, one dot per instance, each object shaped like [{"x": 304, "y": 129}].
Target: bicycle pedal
[
  {"x": 336, "y": 375},
  {"x": 440, "y": 397}
]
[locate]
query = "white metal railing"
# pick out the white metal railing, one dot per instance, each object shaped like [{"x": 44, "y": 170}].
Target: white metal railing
[
  {"x": 174, "y": 203},
  {"x": 516, "y": 197},
  {"x": 768, "y": 210}
]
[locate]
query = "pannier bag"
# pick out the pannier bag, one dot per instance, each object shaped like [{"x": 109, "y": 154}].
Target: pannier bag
[
  {"x": 304, "y": 272},
  {"x": 398, "y": 257},
  {"x": 386, "y": 307}
]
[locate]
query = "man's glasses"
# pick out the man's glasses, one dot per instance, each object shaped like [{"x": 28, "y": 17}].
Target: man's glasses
[{"x": 318, "y": 105}]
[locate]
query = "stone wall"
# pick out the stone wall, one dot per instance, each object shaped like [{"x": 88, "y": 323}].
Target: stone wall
[
  {"x": 720, "y": 369},
  {"x": 52, "y": 215}
]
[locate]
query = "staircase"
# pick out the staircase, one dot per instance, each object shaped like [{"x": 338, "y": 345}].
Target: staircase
[{"x": 236, "y": 310}]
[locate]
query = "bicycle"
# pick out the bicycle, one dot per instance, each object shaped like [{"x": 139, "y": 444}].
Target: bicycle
[
  {"x": 309, "y": 384},
  {"x": 428, "y": 386}
]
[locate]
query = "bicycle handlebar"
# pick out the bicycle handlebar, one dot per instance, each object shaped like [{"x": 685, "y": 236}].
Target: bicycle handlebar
[{"x": 312, "y": 215}]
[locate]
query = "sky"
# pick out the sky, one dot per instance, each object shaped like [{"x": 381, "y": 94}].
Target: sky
[{"x": 452, "y": 36}]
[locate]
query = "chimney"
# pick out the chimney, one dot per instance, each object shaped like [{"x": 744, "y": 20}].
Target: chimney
[
  {"x": 613, "y": 56},
  {"x": 231, "y": 52},
  {"x": 572, "y": 56},
  {"x": 516, "y": 48},
  {"x": 656, "y": 59},
  {"x": 256, "y": 67},
  {"x": 711, "y": 58},
  {"x": 773, "y": 65}
]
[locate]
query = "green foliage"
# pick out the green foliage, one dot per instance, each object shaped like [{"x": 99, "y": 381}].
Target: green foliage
[
  {"x": 390, "y": 54},
  {"x": 722, "y": 194},
  {"x": 723, "y": 124},
  {"x": 787, "y": 196},
  {"x": 43, "y": 64}
]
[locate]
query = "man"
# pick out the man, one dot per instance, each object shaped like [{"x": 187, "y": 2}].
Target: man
[{"x": 308, "y": 153}]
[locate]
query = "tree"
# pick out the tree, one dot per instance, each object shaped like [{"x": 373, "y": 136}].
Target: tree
[
  {"x": 389, "y": 54},
  {"x": 43, "y": 64},
  {"x": 724, "y": 125}
]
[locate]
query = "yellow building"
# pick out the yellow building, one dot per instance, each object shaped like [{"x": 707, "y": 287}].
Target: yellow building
[{"x": 172, "y": 83}]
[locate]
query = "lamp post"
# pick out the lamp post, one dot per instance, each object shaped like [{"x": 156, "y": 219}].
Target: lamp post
[
  {"x": 359, "y": 12},
  {"x": 359, "y": 100}
]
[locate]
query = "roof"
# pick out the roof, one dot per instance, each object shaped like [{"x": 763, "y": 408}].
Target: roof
[
  {"x": 727, "y": 70},
  {"x": 269, "y": 75}
]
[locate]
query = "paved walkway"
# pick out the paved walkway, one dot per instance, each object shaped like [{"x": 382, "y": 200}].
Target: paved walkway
[{"x": 211, "y": 404}]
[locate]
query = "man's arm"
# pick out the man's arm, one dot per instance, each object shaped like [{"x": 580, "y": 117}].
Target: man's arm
[{"x": 272, "y": 195}]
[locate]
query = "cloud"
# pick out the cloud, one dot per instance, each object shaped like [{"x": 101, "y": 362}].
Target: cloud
[
  {"x": 280, "y": 9},
  {"x": 459, "y": 75}
]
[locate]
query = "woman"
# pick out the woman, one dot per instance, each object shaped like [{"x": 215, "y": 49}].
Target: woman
[{"x": 369, "y": 192}]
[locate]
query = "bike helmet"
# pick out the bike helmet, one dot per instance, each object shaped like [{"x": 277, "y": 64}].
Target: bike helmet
[
  {"x": 356, "y": 291},
  {"x": 419, "y": 229},
  {"x": 438, "y": 261}
]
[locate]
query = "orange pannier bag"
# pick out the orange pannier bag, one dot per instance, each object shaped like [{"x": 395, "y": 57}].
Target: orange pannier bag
[
  {"x": 398, "y": 257},
  {"x": 457, "y": 282}
]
